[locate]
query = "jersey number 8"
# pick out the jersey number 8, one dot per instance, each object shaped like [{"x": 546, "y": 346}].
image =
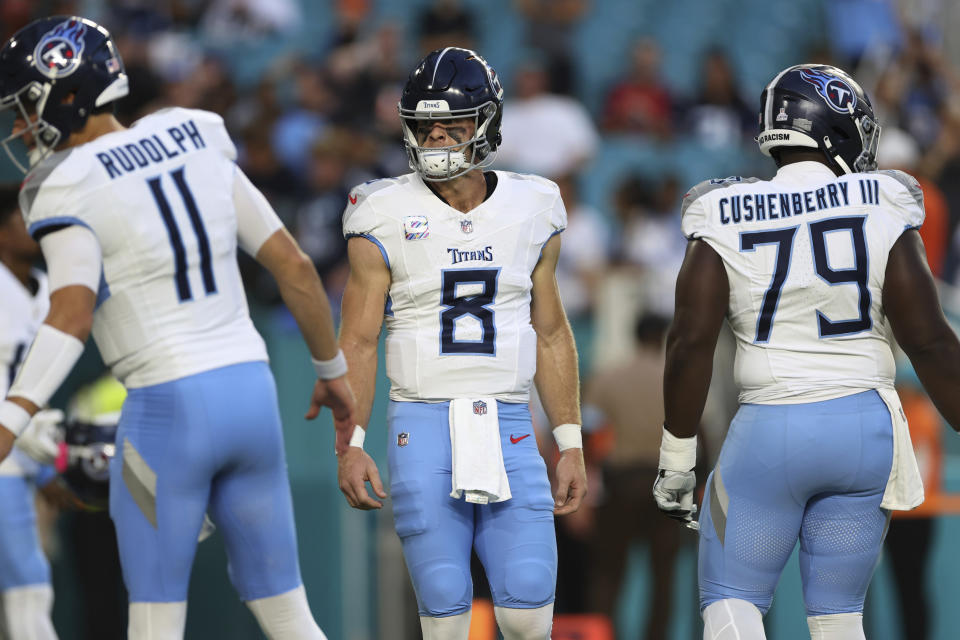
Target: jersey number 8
[{"x": 470, "y": 305}]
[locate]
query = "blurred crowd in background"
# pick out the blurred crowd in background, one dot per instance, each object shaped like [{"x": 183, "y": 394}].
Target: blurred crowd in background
[{"x": 624, "y": 103}]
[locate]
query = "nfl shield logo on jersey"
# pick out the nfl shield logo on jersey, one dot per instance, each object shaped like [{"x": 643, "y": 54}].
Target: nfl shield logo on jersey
[
  {"x": 403, "y": 439},
  {"x": 479, "y": 408},
  {"x": 466, "y": 226}
]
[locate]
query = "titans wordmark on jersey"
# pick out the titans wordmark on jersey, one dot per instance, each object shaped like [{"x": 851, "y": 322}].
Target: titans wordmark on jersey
[
  {"x": 458, "y": 316},
  {"x": 805, "y": 254},
  {"x": 158, "y": 197}
]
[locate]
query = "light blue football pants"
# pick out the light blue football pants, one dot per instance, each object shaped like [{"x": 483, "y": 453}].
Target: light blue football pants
[
  {"x": 207, "y": 442},
  {"x": 812, "y": 472},
  {"x": 514, "y": 539}
]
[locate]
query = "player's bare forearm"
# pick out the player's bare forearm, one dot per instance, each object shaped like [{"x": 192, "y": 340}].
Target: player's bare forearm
[
  {"x": 364, "y": 298},
  {"x": 686, "y": 380},
  {"x": 701, "y": 304},
  {"x": 362, "y": 362},
  {"x": 912, "y": 305},
  {"x": 302, "y": 292},
  {"x": 938, "y": 367},
  {"x": 557, "y": 377}
]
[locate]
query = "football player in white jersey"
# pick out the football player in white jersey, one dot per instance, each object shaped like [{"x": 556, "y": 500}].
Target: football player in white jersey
[
  {"x": 816, "y": 271},
  {"x": 460, "y": 262},
  {"x": 25, "y": 589},
  {"x": 139, "y": 228}
]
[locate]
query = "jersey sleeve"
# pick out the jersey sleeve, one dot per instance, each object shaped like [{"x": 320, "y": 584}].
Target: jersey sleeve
[
  {"x": 907, "y": 198},
  {"x": 360, "y": 218},
  {"x": 256, "y": 219},
  {"x": 693, "y": 212},
  {"x": 558, "y": 215},
  {"x": 49, "y": 196}
]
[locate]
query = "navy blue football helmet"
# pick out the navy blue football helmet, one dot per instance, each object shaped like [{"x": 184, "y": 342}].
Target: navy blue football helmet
[
  {"x": 820, "y": 107},
  {"x": 90, "y": 448},
  {"x": 56, "y": 72},
  {"x": 450, "y": 84}
]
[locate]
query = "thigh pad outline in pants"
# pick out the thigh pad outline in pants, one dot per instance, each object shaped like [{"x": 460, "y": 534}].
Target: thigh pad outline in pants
[
  {"x": 175, "y": 441},
  {"x": 516, "y": 540},
  {"x": 777, "y": 461},
  {"x": 435, "y": 530}
]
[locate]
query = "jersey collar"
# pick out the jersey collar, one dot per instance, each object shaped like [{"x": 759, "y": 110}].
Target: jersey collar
[{"x": 804, "y": 169}]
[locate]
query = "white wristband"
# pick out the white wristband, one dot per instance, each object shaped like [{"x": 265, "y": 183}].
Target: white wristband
[
  {"x": 332, "y": 368},
  {"x": 568, "y": 436},
  {"x": 677, "y": 454},
  {"x": 14, "y": 417},
  {"x": 49, "y": 360},
  {"x": 359, "y": 435}
]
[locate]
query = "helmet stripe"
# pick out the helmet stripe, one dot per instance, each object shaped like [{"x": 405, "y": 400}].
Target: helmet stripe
[
  {"x": 768, "y": 108},
  {"x": 437, "y": 65}
]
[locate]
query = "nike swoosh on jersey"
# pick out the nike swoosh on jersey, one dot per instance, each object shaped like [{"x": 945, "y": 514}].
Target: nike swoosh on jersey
[{"x": 516, "y": 440}]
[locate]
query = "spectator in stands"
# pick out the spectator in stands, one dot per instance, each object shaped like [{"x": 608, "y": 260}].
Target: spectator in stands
[
  {"x": 318, "y": 221},
  {"x": 898, "y": 150},
  {"x": 446, "y": 23},
  {"x": 550, "y": 26},
  {"x": 651, "y": 237},
  {"x": 718, "y": 116},
  {"x": 231, "y": 21},
  {"x": 544, "y": 133},
  {"x": 627, "y": 398},
  {"x": 300, "y": 126},
  {"x": 586, "y": 247},
  {"x": 640, "y": 102}
]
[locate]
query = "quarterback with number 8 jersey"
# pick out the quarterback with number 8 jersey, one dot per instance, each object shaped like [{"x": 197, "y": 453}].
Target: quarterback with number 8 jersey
[
  {"x": 140, "y": 227},
  {"x": 816, "y": 271},
  {"x": 459, "y": 263}
]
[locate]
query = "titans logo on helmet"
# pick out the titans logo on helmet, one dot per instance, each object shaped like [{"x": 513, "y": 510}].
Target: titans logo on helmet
[
  {"x": 838, "y": 95},
  {"x": 57, "y": 55}
]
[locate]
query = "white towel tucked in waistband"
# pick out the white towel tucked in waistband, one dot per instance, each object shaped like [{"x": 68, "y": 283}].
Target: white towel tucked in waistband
[
  {"x": 904, "y": 487},
  {"x": 477, "y": 460}
]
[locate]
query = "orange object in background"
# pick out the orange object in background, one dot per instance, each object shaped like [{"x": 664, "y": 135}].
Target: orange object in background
[
  {"x": 483, "y": 622},
  {"x": 587, "y": 626},
  {"x": 926, "y": 430}
]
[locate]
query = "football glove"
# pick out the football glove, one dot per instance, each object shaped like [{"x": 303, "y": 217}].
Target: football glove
[
  {"x": 676, "y": 481},
  {"x": 673, "y": 491},
  {"x": 41, "y": 439}
]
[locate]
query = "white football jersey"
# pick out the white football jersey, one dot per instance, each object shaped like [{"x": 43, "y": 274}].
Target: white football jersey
[
  {"x": 805, "y": 255},
  {"x": 21, "y": 315},
  {"x": 159, "y": 198},
  {"x": 458, "y": 316}
]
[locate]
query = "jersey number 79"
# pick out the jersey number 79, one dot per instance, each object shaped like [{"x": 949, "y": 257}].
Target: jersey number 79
[{"x": 858, "y": 274}]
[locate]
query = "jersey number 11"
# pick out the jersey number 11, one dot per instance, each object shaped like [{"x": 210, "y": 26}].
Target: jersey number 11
[{"x": 184, "y": 292}]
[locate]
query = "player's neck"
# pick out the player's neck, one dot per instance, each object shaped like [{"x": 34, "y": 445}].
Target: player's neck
[
  {"x": 19, "y": 268},
  {"x": 96, "y": 126},
  {"x": 464, "y": 193}
]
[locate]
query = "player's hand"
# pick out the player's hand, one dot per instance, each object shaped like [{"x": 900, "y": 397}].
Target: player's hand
[
  {"x": 337, "y": 395},
  {"x": 6, "y": 442},
  {"x": 571, "y": 482},
  {"x": 673, "y": 491},
  {"x": 354, "y": 469},
  {"x": 41, "y": 439}
]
